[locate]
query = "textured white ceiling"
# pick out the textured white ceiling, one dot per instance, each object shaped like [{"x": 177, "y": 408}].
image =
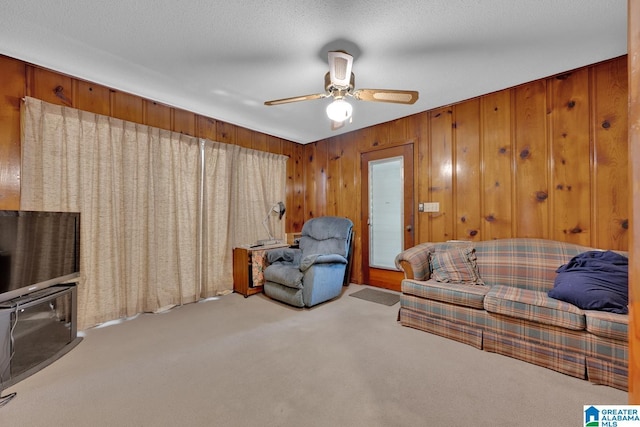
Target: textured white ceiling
[{"x": 223, "y": 59}]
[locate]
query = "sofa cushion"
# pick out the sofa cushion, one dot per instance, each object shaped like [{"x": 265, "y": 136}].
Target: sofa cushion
[
  {"x": 453, "y": 293},
  {"x": 287, "y": 275},
  {"x": 608, "y": 325},
  {"x": 455, "y": 265},
  {"x": 534, "y": 306}
]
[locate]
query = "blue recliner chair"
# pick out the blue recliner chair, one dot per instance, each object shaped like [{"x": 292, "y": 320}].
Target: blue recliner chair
[{"x": 315, "y": 272}]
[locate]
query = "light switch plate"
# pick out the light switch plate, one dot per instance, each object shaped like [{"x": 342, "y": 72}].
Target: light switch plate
[{"x": 432, "y": 207}]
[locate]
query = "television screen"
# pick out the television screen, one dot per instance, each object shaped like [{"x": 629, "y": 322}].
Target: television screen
[{"x": 37, "y": 250}]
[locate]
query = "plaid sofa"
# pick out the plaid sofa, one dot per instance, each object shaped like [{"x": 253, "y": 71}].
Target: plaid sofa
[{"x": 511, "y": 313}]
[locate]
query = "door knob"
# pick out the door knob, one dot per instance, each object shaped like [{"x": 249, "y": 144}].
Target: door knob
[{"x": 409, "y": 228}]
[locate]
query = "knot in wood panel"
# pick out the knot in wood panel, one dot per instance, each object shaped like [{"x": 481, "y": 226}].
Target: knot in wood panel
[
  {"x": 541, "y": 196},
  {"x": 59, "y": 92},
  {"x": 574, "y": 230}
]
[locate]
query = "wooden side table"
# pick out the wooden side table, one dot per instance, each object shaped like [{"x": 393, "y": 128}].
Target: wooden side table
[{"x": 248, "y": 264}]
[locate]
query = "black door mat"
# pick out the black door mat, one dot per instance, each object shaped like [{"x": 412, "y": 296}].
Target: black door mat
[{"x": 374, "y": 295}]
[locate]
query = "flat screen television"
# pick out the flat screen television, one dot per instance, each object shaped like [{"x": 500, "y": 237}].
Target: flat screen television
[{"x": 37, "y": 250}]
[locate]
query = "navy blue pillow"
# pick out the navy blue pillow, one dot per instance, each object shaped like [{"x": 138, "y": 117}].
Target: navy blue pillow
[{"x": 594, "y": 280}]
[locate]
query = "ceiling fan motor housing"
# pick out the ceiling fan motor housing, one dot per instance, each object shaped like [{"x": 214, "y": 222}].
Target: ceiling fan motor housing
[
  {"x": 340, "y": 64},
  {"x": 333, "y": 88}
]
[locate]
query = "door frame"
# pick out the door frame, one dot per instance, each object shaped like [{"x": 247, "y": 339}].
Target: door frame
[{"x": 384, "y": 278}]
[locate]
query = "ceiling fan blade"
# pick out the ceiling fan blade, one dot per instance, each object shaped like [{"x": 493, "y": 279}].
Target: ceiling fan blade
[
  {"x": 340, "y": 64},
  {"x": 296, "y": 99},
  {"x": 386, "y": 95}
]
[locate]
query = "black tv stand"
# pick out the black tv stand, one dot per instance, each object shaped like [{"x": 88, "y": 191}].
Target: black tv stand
[{"x": 35, "y": 330}]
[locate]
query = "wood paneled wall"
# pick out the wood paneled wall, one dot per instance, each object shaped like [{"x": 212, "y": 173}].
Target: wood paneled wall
[
  {"x": 18, "y": 79},
  {"x": 546, "y": 159}
]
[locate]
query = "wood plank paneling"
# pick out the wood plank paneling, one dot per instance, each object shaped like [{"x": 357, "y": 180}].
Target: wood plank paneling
[
  {"x": 610, "y": 214},
  {"x": 12, "y": 87},
  {"x": 259, "y": 141},
  {"x": 372, "y": 137},
  {"x": 350, "y": 196},
  {"x": 273, "y": 144},
  {"x": 420, "y": 132},
  {"x": 310, "y": 184},
  {"x": 531, "y": 161},
  {"x": 184, "y": 122},
  {"x": 467, "y": 170},
  {"x": 156, "y": 114},
  {"x": 495, "y": 110},
  {"x": 570, "y": 151},
  {"x": 440, "y": 177},
  {"x": 91, "y": 97},
  {"x": 127, "y": 107},
  {"x": 334, "y": 177},
  {"x": 49, "y": 86},
  {"x": 226, "y": 132},
  {"x": 320, "y": 178},
  {"x": 206, "y": 128},
  {"x": 398, "y": 130},
  {"x": 295, "y": 187},
  {"x": 244, "y": 137}
]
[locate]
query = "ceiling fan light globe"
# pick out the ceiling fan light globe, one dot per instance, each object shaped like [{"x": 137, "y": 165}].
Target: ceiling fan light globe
[{"x": 339, "y": 110}]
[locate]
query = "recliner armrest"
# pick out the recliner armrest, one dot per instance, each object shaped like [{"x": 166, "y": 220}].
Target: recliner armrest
[
  {"x": 287, "y": 255},
  {"x": 309, "y": 260}
]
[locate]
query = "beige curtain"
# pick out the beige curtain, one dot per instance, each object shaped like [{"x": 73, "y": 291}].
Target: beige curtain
[
  {"x": 241, "y": 186},
  {"x": 138, "y": 191},
  {"x": 134, "y": 187},
  {"x": 260, "y": 180}
]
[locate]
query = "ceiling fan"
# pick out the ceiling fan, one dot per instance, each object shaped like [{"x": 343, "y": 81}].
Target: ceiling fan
[{"x": 339, "y": 84}]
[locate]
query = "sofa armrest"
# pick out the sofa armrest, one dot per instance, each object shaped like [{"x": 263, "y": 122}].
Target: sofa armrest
[{"x": 414, "y": 262}]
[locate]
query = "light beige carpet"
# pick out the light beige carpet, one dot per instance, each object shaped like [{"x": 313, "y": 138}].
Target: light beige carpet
[{"x": 256, "y": 362}]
